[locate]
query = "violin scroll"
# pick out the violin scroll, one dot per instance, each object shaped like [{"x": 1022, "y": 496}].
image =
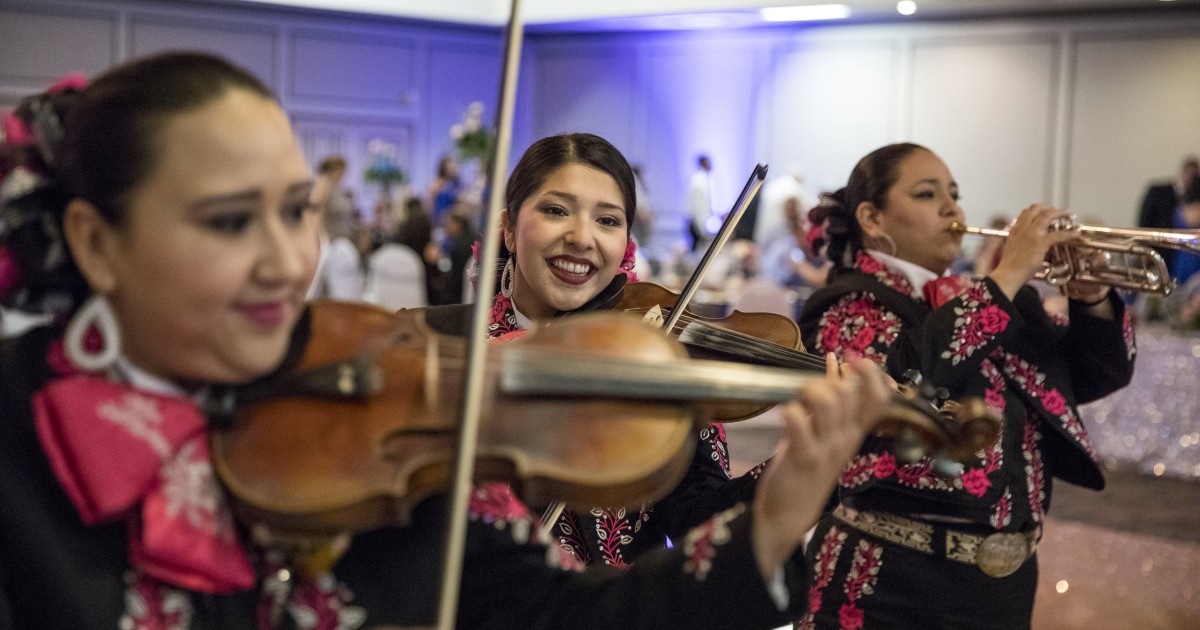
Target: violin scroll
[{"x": 925, "y": 422}]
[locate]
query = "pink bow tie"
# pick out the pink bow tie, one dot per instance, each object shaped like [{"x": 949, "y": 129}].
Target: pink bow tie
[{"x": 112, "y": 447}]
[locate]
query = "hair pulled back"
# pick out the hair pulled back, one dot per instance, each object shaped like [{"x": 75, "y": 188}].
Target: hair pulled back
[
  {"x": 837, "y": 233},
  {"x": 549, "y": 154},
  {"x": 98, "y": 144}
]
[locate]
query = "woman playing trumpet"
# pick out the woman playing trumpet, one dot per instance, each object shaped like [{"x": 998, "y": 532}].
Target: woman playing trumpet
[{"x": 907, "y": 547}]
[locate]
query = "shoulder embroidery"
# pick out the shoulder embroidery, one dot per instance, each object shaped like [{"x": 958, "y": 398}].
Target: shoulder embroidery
[
  {"x": 700, "y": 544},
  {"x": 857, "y": 326}
]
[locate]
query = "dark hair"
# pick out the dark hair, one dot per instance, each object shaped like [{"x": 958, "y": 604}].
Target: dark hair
[
  {"x": 331, "y": 163},
  {"x": 549, "y": 154},
  {"x": 98, "y": 144},
  {"x": 841, "y": 237},
  {"x": 1191, "y": 194},
  {"x": 443, "y": 167}
]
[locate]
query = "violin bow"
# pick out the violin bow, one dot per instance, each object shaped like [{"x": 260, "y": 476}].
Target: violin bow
[
  {"x": 473, "y": 382},
  {"x": 731, "y": 220}
]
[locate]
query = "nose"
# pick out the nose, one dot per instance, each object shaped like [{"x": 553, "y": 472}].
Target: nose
[
  {"x": 579, "y": 233},
  {"x": 282, "y": 256}
]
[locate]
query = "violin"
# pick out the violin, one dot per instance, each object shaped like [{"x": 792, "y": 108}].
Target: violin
[
  {"x": 597, "y": 409},
  {"x": 767, "y": 339}
]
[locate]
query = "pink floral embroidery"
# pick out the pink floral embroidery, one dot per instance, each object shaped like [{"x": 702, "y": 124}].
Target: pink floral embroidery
[
  {"x": 891, "y": 279},
  {"x": 714, "y": 435},
  {"x": 823, "y": 566},
  {"x": 502, "y": 319},
  {"x": 885, "y": 466},
  {"x": 850, "y": 617},
  {"x": 978, "y": 322},
  {"x": 1027, "y": 377},
  {"x": 995, "y": 399},
  {"x": 495, "y": 503},
  {"x": 1127, "y": 334},
  {"x": 857, "y": 327},
  {"x": 975, "y": 481},
  {"x": 1002, "y": 512},
  {"x": 1054, "y": 402},
  {"x": 860, "y": 581},
  {"x": 570, "y": 539},
  {"x": 700, "y": 544},
  {"x": 612, "y": 531},
  {"x": 154, "y": 605},
  {"x": 1035, "y": 478},
  {"x": 323, "y": 604},
  {"x": 858, "y": 471}
]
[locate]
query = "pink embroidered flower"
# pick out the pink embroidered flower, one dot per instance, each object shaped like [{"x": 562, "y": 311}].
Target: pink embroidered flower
[
  {"x": 992, "y": 319},
  {"x": 868, "y": 264},
  {"x": 499, "y": 309},
  {"x": 885, "y": 466},
  {"x": 1054, "y": 402},
  {"x": 976, "y": 482},
  {"x": 850, "y": 617},
  {"x": 628, "y": 260},
  {"x": 994, "y": 399},
  {"x": 863, "y": 339}
]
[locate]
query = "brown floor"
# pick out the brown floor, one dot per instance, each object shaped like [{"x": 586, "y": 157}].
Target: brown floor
[{"x": 1125, "y": 558}]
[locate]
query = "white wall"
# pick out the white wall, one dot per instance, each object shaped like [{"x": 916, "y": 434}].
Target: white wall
[{"x": 1082, "y": 112}]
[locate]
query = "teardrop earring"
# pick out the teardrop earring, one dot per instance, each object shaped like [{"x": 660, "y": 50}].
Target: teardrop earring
[
  {"x": 96, "y": 312},
  {"x": 506, "y": 278}
]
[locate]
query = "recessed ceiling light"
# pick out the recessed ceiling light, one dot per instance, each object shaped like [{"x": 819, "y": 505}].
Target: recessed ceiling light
[
  {"x": 805, "y": 13},
  {"x": 906, "y": 7}
]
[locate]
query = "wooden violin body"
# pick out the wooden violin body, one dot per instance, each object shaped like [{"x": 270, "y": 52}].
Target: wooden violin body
[{"x": 332, "y": 463}]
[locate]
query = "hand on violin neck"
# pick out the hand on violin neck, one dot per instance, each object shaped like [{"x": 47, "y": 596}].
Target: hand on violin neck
[{"x": 822, "y": 430}]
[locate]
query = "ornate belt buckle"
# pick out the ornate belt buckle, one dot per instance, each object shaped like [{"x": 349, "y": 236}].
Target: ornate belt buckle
[{"x": 1001, "y": 554}]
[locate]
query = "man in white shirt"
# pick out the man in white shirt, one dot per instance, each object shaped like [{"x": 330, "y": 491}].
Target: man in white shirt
[{"x": 699, "y": 203}]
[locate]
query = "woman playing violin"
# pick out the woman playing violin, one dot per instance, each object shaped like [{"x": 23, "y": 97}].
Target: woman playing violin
[
  {"x": 570, "y": 203},
  {"x": 168, "y": 229},
  {"x": 908, "y": 547}
]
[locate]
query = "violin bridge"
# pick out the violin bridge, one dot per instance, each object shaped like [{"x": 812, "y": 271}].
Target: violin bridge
[{"x": 654, "y": 317}]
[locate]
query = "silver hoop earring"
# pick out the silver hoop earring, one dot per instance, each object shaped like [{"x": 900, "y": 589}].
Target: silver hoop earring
[
  {"x": 95, "y": 312},
  {"x": 892, "y": 244},
  {"x": 506, "y": 278}
]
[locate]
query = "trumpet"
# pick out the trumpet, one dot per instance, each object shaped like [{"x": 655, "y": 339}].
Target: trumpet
[{"x": 1118, "y": 257}]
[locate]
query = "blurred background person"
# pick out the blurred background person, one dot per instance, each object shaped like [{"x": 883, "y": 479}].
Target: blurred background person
[
  {"x": 1162, "y": 199},
  {"x": 699, "y": 203},
  {"x": 340, "y": 274}
]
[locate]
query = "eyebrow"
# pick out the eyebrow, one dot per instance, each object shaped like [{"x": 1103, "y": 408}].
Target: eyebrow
[
  {"x": 294, "y": 190},
  {"x": 575, "y": 199},
  {"x": 934, "y": 180}
]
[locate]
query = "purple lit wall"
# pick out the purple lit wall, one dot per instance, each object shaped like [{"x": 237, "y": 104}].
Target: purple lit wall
[{"x": 662, "y": 99}]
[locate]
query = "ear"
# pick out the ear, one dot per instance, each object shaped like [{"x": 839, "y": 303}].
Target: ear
[
  {"x": 508, "y": 231},
  {"x": 92, "y": 242},
  {"x": 870, "y": 218}
]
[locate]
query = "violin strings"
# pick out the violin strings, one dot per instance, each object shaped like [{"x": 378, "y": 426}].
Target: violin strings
[{"x": 741, "y": 344}]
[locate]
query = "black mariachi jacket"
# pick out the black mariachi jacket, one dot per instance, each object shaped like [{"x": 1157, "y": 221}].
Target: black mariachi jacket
[
  {"x": 617, "y": 537},
  {"x": 58, "y": 573},
  {"x": 1031, "y": 367}
]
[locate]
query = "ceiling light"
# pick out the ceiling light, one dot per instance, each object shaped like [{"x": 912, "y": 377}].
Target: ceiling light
[
  {"x": 906, "y": 7},
  {"x": 806, "y": 13}
]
